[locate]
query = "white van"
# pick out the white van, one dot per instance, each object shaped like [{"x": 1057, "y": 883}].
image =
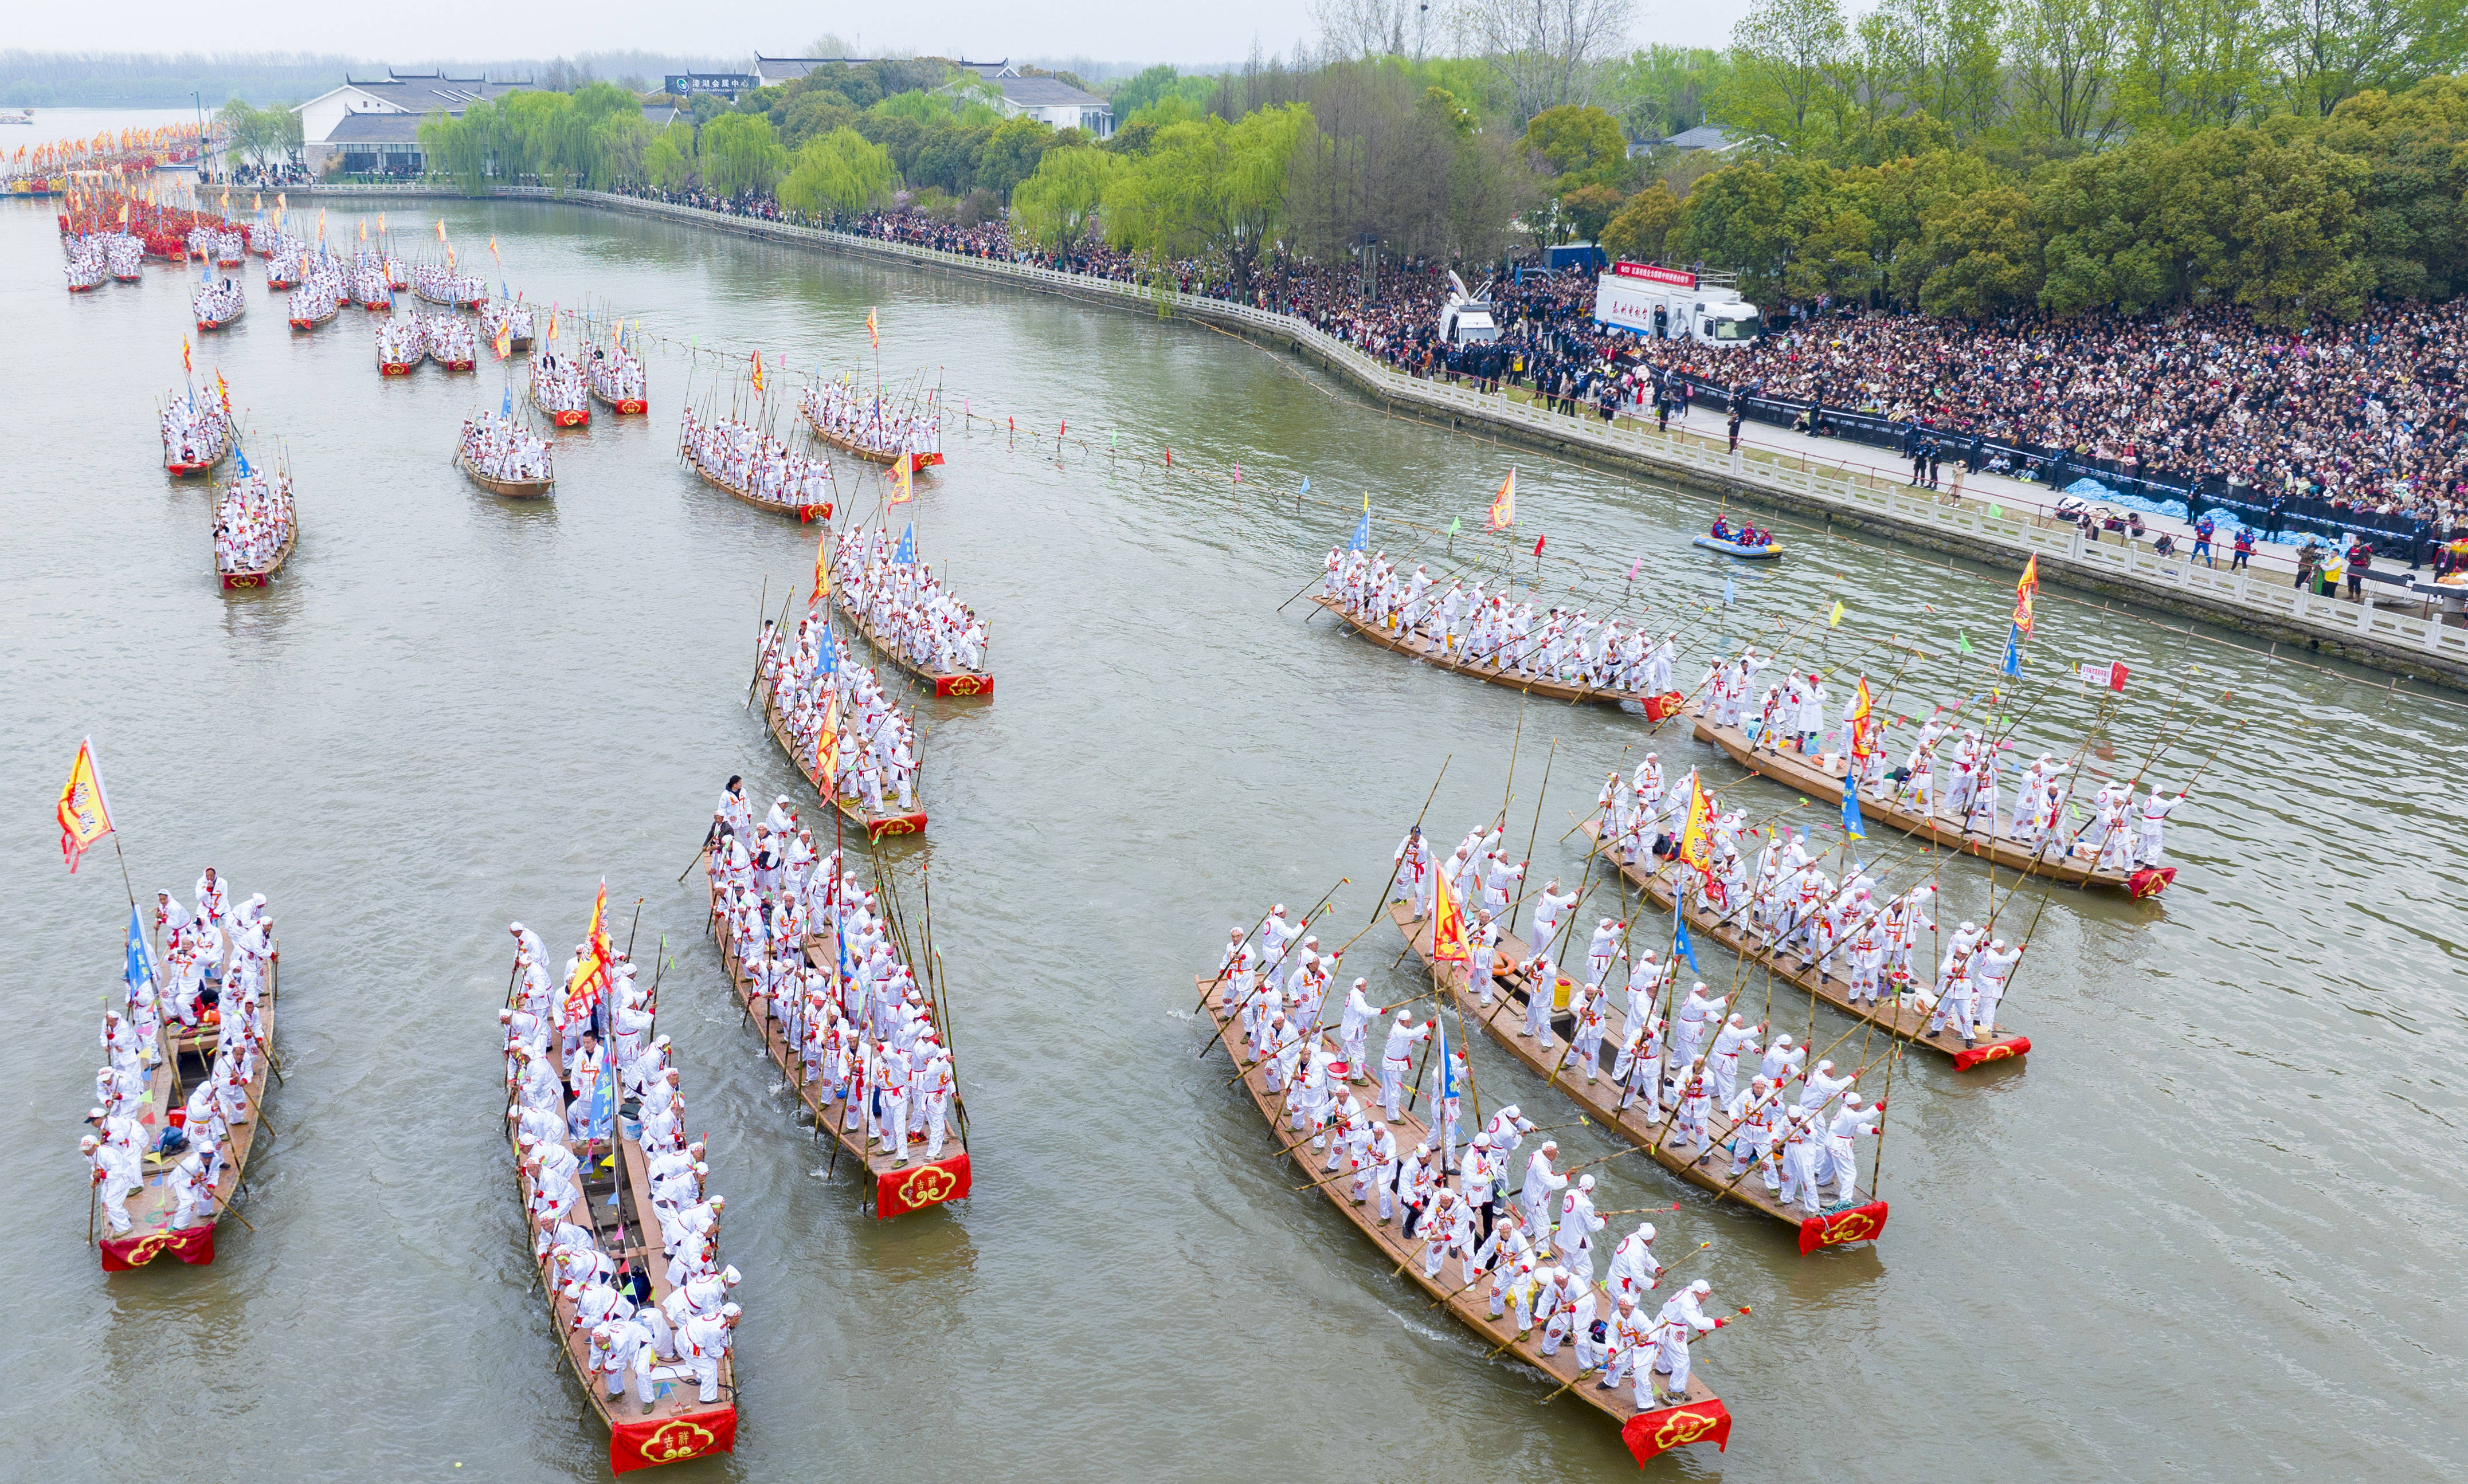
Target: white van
[
  {"x": 1674, "y": 304},
  {"x": 1467, "y": 318}
]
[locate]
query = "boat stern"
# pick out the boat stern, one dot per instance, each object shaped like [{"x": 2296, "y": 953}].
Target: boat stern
[
  {"x": 654, "y": 1441},
  {"x": 1648, "y": 1434}
]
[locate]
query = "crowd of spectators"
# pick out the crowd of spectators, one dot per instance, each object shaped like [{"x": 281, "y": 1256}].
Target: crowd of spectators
[{"x": 2364, "y": 422}]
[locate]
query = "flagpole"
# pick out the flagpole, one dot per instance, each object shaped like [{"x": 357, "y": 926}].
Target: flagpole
[{"x": 124, "y": 867}]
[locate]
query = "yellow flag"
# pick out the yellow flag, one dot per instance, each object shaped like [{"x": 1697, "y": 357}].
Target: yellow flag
[
  {"x": 903, "y": 485},
  {"x": 85, "y": 813},
  {"x": 822, "y": 568},
  {"x": 1697, "y": 839},
  {"x": 504, "y": 339},
  {"x": 1503, "y": 504},
  {"x": 1448, "y": 925},
  {"x": 364, "y": 231},
  {"x": 873, "y": 331},
  {"x": 1835, "y": 621},
  {"x": 440, "y": 228},
  {"x": 827, "y": 744}
]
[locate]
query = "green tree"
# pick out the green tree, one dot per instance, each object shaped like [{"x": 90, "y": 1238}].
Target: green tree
[
  {"x": 1011, "y": 153},
  {"x": 1734, "y": 220},
  {"x": 1209, "y": 188},
  {"x": 1056, "y": 207},
  {"x": 1589, "y": 208},
  {"x": 1581, "y": 145},
  {"x": 1784, "y": 54},
  {"x": 669, "y": 161},
  {"x": 840, "y": 172},
  {"x": 2065, "y": 57},
  {"x": 739, "y": 153},
  {"x": 1638, "y": 230}
]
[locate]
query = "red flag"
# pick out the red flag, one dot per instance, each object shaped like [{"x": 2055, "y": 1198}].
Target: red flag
[
  {"x": 907, "y": 1188},
  {"x": 1537, "y": 546},
  {"x": 1650, "y": 1433},
  {"x": 1860, "y": 1223},
  {"x": 2023, "y": 591}
]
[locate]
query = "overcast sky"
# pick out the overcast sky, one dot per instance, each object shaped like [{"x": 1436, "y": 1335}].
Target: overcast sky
[{"x": 1128, "y": 30}]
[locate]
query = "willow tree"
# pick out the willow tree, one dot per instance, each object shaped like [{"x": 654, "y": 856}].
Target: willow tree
[
  {"x": 840, "y": 172},
  {"x": 740, "y": 153},
  {"x": 1207, "y": 187},
  {"x": 669, "y": 159},
  {"x": 1057, "y": 208}
]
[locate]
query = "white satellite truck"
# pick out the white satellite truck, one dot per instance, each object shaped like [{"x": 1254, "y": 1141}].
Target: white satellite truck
[
  {"x": 1674, "y": 304},
  {"x": 1466, "y": 318}
]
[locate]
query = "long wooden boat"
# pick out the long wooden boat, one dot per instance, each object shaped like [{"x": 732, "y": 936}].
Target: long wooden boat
[
  {"x": 190, "y": 469},
  {"x": 776, "y": 507},
  {"x": 448, "y": 299},
  {"x": 875, "y": 826},
  {"x": 679, "y": 1426},
  {"x": 897, "y": 1186},
  {"x": 1817, "y": 780},
  {"x": 511, "y": 489},
  {"x": 561, "y": 417},
  {"x": 1908, "y": 1022},
  {"x": 1431, "y": 651},
  {"x": 958, "y": 682},
  {"x": 1700, "y": 1417},
  {"x": 234, "y": 318},
  {"x": 1710, "y": 1171},
  {"x": 845, "y": 445},
  {"x": 312, "y": 321},
  {"x": 266, "y": 574},
  {"x": 150, "y": 1208}
]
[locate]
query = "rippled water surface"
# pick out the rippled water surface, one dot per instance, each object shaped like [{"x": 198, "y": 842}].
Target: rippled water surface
[{"x": 2211, "y": 1229}]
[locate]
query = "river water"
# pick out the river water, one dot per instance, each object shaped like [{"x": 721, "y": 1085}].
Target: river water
[{"x": 2205, "y": 1231}]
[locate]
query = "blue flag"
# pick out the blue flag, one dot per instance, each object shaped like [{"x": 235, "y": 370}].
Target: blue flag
[
  {"x": 1306, "y": 488},
  {"x": 506, "y": 407},
  {"x": 906, "y": 552},
  {"x": 603, "y": 1104},
  {"x": 1727, "y": 590},
  {"x": 1851, "y": 825},
  {"x": 139, "y": 968},
  {"x": 1361, "y": 541},
  {"x": 1679, "y": 936},
  {"x": 827, "y": 657},
  {"x": 1447, "y": 1072},
  {"x": 2012, "y": 664},
  {"x": 244, "y": 463}
]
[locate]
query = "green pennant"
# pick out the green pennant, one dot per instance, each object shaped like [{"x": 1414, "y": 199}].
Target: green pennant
[{"x": 1962, "y": 641}]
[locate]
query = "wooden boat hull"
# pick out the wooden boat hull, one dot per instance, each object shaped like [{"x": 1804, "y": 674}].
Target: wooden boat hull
[
  {"x": 1907, "y": 1022},
  {"x": 679, "y": 1426},
  {"x": 1701, "y": 1417},
  {"x": 311, "y": 321},
  {"x": 898, "y": 1187},
  {"x": 128, "y": 278},
  {"x": 151, "y": 1235},
  {"x": 511, "y": 488},
  {"x": 623, "y": 406},
  {"x": 179, "y": 468},
  {"x": 1600, "y": 1099},
  {"x": 377, "y": 306},
  {"x": 458, "y": 365},
  {"x": 803, "y": 513},
  {"x": 875, "y": 826},
  {"x": 449, "y": 301},
  {"x": 1771, "y": 552},
  {"x": 963, "y": 683},
  {"x": 220, "y": 323},
  {"x": 396, "y": 368},
  {"x": 860, "y": 450},
  {"x": 1794, "y": 772},
  {"x": 1428, "y": 650}
]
